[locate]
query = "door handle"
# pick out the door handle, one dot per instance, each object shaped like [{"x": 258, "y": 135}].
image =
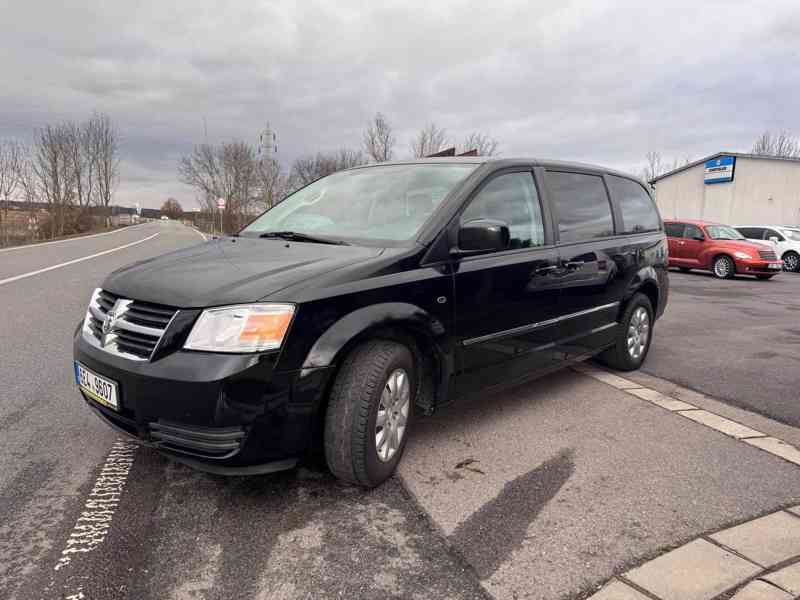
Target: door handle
[
  {"x": 545, "y": 270},
  {"x": 573, "y": 265}
]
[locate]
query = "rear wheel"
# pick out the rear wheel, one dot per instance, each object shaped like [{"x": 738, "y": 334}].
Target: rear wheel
[
  {"x": 369, "y": 412},
  {"x": 633, "y": 336},
  {"x": 791, "y": 261},
  {"x": 723, "y": 267}
]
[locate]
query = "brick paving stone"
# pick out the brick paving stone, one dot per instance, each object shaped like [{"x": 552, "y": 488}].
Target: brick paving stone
[
  {"x": 660, "y": 399},
  {"x": 698, "y": 570},
  {"x": 721, "y": 424},
  {"x": 787, "y": 578},
  {"x": 759, "y": 590},
  {"x": 777, "y": 447},
  {"x": 616, "y": 590},
  {"x": 766, "y": 541}
]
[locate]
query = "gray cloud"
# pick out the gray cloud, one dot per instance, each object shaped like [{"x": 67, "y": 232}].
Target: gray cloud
[{"x": 603, "y": 82}]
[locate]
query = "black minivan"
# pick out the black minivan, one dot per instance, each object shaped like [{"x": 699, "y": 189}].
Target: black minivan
[{"x": 367, "y": 298}]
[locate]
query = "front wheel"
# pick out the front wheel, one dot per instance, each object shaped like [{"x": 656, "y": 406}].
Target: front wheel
[
  {"x": 791, "y": 261},
  {"x": 369, "y": 412},
  {"x": 724, "y": 267},
  {"x": 633, "y": 338}
]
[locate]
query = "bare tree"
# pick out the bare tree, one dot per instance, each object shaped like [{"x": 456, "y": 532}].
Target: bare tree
[
  {"x": 11, "y": 155},
  {"x": 104, "y": 143},
  {"x": 172, "y": 208},
  {"x": 485, "y": 145},
  {"x": 429, "y": 140},
  {"x": 379, "y": 140},
  {"x": 310, "y": 168},
  {"x": 28, "y": 186},
  {"x": 227, "y": 171},
  {"x": 272, "y": 182},
  {"x": 81, "y": 156},
  {"x": 654, "y": 166},
  {"x": 780, "y": 144},
  {"x": 54, "y": 167}
]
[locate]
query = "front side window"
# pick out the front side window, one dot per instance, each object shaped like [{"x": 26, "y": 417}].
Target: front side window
[
  {"x": 693, "y": 232},
  {"x": 582, "y": 206},
  {"x": 772, "y": 233},
  {"x": 639, "y": 213},
  {"x": 511, "y": 198},
  {"x": 389, "y": 202},
  {"x": 723, "y": 232}
]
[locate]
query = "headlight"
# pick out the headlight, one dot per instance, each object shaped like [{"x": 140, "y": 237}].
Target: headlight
[
  {"x": 244, "y": 328},
  {"x": 743, "y": 255}
]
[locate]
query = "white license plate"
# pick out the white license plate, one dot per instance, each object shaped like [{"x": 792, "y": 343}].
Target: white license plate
[
  {"x": 776, "y": 266},
  {"x": 98, "y": 388}
]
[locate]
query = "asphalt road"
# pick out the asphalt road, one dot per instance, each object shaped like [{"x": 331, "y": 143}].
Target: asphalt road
[
  {"x": 543, "y": 491},
  {"x": 737, "y": 340}
]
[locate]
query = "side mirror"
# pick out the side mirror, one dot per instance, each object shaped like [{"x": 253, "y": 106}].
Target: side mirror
[
  {"x": 773, "y": 239},
  {"x": 482, "y": 235}
]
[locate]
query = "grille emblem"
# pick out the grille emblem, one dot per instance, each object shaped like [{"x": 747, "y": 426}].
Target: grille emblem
[{"x": 109, "y": 321}]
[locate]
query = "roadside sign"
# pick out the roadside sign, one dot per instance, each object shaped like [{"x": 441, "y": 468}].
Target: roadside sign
[
  {"x": 720, "y": 170},
  {"x": 221, "y": 203}
]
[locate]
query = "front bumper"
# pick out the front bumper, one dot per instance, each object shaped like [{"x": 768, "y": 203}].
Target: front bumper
[
  {"x": 222, "y": 413},
  {"x": 758, "y": 267}
]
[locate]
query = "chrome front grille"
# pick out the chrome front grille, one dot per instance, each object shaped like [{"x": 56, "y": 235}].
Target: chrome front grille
[
  {"x": 125, "y": 327},
  {"x": 767, "y": 255}
]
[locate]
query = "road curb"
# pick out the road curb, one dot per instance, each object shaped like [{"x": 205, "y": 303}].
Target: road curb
[
  {"x": 755, "y": 560},
  {"x": 738, "y": 431}
]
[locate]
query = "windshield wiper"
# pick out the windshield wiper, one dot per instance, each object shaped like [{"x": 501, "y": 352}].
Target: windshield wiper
[{"x": 301, "y": 237}]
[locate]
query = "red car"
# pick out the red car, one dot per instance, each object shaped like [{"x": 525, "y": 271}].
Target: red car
[{"x": 719, "y": 249}]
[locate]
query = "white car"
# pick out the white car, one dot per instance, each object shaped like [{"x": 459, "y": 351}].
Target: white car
[{"x": 785, "y": 240}]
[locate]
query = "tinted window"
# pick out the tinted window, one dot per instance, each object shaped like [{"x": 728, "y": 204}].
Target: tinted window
[
  {"x": 693, "y": 231},
  {"x": 582, "y": 206},
  {"x": 674, "y": 229},
  {"x": 511, "y": 198},
  {"x": 753, "y": 233},
  {"x": 638, "y": 211}
]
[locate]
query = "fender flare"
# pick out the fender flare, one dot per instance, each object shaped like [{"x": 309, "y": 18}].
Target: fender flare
[{"x": 353, "y": 326}]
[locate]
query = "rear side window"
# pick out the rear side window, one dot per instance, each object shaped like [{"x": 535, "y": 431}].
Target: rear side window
[
  {"x": 752, "y": 233},
  {"x": 511, "y": 198},
  {"x": 674, "y": 229},
  {"x": 638, "y": 211},
  {"x": 582, "y": 206}
]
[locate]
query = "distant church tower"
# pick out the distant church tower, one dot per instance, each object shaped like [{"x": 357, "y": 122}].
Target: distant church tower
[{"x": 267, "y": 144}]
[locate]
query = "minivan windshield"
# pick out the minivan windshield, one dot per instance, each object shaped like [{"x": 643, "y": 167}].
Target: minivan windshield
[
  {"x": 723, "y": 232},
  {"x": 389, "y": 202}
]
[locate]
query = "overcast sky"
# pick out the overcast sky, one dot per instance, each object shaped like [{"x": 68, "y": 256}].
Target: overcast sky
[{"x": 603, "y": 82}]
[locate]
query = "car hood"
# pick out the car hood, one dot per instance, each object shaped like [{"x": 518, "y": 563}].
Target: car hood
[
  {"x": 744, "y": 245},
  {"x": 230, "y": 271}
]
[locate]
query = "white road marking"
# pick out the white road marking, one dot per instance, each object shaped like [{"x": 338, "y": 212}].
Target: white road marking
[
  {"x": 72, "y": 239},
  {"x": 93, "y": 524},
  {"x": 200, "y": 233},
  {"x": 72, "y": 262}
]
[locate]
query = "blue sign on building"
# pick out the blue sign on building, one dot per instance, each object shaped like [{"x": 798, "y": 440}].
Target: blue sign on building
[{"x": 720, "y": 169}]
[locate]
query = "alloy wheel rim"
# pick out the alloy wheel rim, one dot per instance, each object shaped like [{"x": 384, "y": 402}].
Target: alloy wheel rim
[
  {"x": 722, "y": 268},
  {"x": 792, "y": 262},
  {"x": 638, "y": 332},
  {"x": 392, "y": 418}
]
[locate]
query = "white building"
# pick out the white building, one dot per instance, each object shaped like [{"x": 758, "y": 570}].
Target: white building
[{"x": 733, "y": 188}]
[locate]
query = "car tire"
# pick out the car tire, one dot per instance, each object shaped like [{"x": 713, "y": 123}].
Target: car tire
[
  {"x": 791, "y": 261},
  {"x": 723, "y": 267},
  {"x": 620, "y": 356},
  {"x": 377, "y": 381},
  {"x": 684, "y": 269},
  {"x": 764, "y": 276}
]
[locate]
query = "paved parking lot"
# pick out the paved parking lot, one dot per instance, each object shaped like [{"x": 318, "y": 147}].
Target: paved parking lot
[
  {"x": 543, "y": 491},
  {"x": 737, "y": 340}
]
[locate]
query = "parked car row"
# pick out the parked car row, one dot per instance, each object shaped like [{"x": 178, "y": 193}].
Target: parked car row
[{"x": 727, "y": 251}]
